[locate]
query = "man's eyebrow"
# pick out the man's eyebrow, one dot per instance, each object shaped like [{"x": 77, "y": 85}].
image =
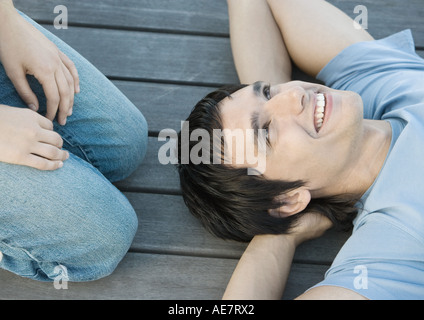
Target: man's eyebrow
[
  {"x": 254, "y": 122},
  {"x": 254, "y": 118},
  {"x": 257, "y": 88}
]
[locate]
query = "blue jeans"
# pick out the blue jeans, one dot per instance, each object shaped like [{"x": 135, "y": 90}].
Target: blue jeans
[{"x": 73, "y": 217}]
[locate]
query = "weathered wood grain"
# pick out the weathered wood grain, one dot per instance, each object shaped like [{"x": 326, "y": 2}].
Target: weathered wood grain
[
  {"x": 171, "y": 16},
  {"x": 153, "y": 276},
  {"x": 385, "y": 17},
  {"x": 157, "y": 57},
  {"x": 163, "y": 105}
]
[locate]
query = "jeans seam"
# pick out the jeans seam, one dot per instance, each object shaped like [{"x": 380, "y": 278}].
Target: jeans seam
[
  {"x": 84, "y": 153},
  {"x": 39, "y": 262}
]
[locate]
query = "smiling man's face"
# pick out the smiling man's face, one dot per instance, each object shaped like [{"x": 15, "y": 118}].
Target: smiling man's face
[{"x": 313, "y": 132}]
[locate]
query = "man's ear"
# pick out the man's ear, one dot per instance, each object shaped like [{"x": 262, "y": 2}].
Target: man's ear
[{"x": 293, "y": 202}]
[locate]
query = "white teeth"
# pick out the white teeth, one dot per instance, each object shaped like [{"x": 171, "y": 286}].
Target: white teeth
[{"x": 319, "y": 111}]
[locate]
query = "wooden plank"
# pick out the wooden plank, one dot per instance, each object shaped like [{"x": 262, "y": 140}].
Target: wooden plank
[
  {"x": 163, "y": 105},
  {"x": 139, "y": 276},
  {"x": 167, "y": 227},
  {"x": 151, "y": 175},
  {"x": 150, "y": 276},
  {"x": 198, "y": 16},
  {"x": 154, "y": 56},
  {"x": 385, "y": 17}
]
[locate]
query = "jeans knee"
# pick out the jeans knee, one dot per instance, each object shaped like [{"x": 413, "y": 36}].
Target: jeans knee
[
  {"x": 88, "y": 254},
  {"x": 104, "y": 248},
  {"x": 139, "y": 140},
  {"x": 100, "y": 237},
  {"x": 133, "y": 140}
]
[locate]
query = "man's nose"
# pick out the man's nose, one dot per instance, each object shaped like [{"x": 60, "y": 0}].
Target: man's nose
[{"x": 290, "y": 101}]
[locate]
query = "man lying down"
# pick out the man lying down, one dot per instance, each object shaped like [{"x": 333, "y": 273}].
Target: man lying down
[{"x": 349, "y": 153}]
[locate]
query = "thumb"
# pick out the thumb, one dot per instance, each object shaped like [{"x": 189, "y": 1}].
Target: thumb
[{"x": 21, "y": 84}]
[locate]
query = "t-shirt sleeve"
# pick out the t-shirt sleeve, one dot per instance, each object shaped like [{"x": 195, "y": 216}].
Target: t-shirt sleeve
[
  {"x": 380, "y": 262},
  {"x": 375, "y": 69}
]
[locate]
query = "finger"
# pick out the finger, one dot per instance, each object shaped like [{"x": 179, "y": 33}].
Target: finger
[
  {"x": 49, "y": 152},
  {"x": 65, "y": 93},
  {"x": 70, "y": 81},
  {"x": 21, "y": 85},
  {"x": 52, "y": 95},
  {"x": 40, "y": 163},
  {"x": 45, "y": 123},
  {"x": 72, "y": 69},
  {"x": 50, "y": 137}
]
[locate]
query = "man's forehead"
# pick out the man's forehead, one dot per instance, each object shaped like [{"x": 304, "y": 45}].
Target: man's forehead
[
  {"x": 235, "y": 110},
  {"x": 236, "y": 97}
]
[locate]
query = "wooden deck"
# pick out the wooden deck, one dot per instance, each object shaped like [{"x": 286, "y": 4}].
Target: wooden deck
[{"x": 165, "y": 55}]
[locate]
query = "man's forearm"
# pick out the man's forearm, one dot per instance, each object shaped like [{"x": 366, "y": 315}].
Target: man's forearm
[
  {"x": 263, "y": 269},
  {"x": 7, "y": 16},
  {"x": 7, "y": 10},
  {"x": 257, "y": 56},
  {"x": 6, "y": 6}
]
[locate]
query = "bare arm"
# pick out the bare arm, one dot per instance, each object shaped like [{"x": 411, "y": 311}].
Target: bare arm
[
  {"x": 257, "y": 45},
  {"x": 330, "y": 293},
  {"x": 263, "y": 269},
  {"x": 314, "y": 32},
  {"x": 266, "y": 34}
]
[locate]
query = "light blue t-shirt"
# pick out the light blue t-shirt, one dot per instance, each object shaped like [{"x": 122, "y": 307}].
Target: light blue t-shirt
[{"x": 384, "y": 257}]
